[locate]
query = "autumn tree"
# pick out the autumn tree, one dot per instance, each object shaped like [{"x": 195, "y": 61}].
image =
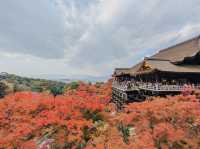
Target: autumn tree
[{"x": 39, "y": 120}]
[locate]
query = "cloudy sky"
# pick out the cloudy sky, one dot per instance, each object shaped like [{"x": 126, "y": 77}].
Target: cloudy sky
[{"x": 89, "y": 37}]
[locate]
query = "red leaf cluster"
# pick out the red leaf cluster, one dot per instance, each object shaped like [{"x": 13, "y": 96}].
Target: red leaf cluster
[
  {"x": 170, "y": 122},
  {"x": 38, "y": 120},
  {"x": 26, "y": 117}
]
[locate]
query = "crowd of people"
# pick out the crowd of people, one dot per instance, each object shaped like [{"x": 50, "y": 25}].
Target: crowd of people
[{"x": 165, "y": 86}]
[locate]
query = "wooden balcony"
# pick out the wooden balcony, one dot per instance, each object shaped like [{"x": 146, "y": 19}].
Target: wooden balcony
[{"x": 158, "y": 87}]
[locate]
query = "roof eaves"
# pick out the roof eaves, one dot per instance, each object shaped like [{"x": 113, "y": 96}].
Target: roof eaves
[{"x": 180, "y": 43}]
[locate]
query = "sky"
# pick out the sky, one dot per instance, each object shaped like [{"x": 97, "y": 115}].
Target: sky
[{"x": 89, "y": 37}]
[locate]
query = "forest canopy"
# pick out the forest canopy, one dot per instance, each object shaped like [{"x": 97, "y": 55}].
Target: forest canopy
[{"x": 85, "y": 118}]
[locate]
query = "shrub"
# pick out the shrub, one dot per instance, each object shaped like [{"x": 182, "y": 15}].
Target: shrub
[
  {"x": 124, "y": 131},
  {"x": 86, "y": 134},
  {"x": 94, "y": 116}
]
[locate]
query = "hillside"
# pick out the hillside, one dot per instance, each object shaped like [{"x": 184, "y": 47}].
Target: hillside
[
  {"x": 84, "y": 118},
  {"x": 72, "y": 78},
  {"x": 16, "y": 83}
]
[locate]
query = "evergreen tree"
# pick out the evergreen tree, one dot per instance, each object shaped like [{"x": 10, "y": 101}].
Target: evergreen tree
[{"x": 3, "y": 89}]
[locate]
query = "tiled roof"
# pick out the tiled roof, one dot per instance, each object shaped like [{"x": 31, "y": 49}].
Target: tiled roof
[{"x": 165, "y": 59}]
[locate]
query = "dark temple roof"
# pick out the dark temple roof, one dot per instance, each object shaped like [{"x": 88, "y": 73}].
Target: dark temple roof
[
  {"x": 167, "y": 59},
  {"x": 167, "y": 66},
  {"x": 180, "y": 51}
]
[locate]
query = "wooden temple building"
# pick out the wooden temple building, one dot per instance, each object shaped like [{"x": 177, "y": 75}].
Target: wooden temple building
[{"x": 168, "y": 72}]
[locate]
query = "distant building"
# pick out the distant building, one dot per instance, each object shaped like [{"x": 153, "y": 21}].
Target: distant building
[{"x": 167, "y": 72}]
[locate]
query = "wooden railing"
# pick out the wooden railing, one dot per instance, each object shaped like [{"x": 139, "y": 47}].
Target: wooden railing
[
  {"x": 126, "y": 86},
  {"x": 177, "y": 88}
]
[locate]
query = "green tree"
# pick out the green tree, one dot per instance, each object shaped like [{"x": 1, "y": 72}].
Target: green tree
[
  {"x": 37, "y": 89},
  {"x": 74, "y": 85},
  {"x": 3, "y": 89},
  {"x": 57, "y": 90}
]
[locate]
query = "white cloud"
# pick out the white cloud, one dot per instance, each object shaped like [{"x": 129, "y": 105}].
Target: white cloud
[
  {"x": 122, "y": 31},
  {"x": 32, "y": 27},
  {"x": 92, "y": 36}
]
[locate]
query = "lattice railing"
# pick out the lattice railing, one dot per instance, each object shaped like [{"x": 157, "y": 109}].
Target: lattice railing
[{"x": 129, "y": 85}]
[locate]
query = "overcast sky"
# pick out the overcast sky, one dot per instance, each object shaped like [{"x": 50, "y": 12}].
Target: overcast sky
[{"x": 89, "y": 37}]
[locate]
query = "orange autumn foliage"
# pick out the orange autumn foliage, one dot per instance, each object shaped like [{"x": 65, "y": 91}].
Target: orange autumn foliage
[
  {"x": 164, "y": 122},
  {"x": 25, "y": 115},
  {"x": 38, "y": 121}
]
